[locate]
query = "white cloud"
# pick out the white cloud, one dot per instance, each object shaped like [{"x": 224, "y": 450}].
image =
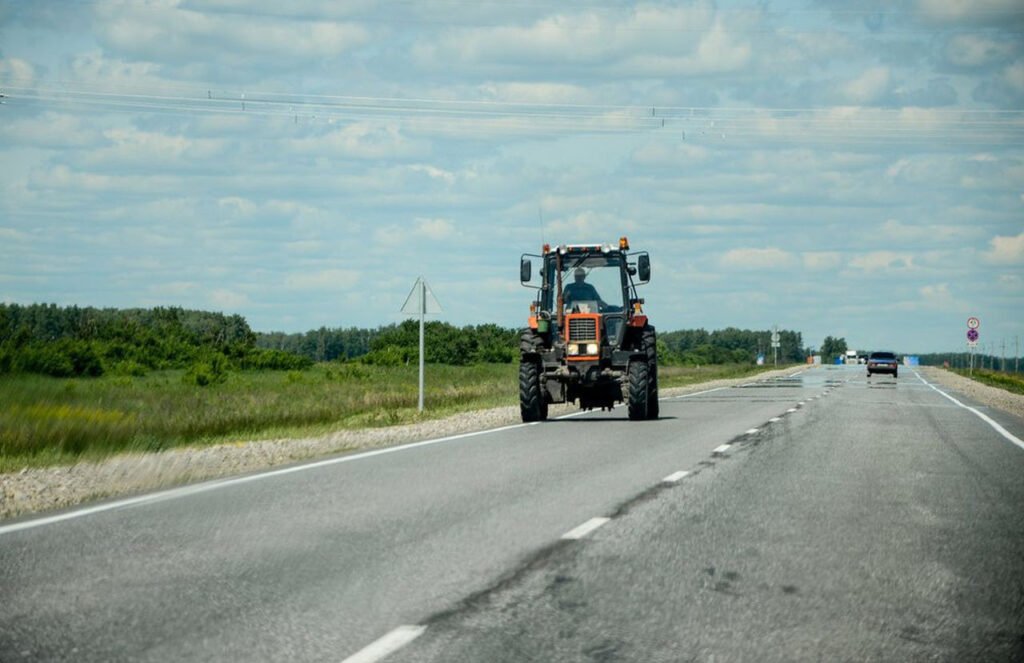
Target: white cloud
[
  {"x": 975, "y": 50},
  {"x": 924, "y": 234},
  {"x": 168, "y": 30},
  {"x": 13, "y": 235},
  {"x": 937, "y": 296},
  {"x": 868, "y": 87},
  {"x": 1011, "y": 283},
  {"x": 883, "y": 261},
  {"x": 758, "y": 259},
  {"x": 968, "y": 11},
  {"x": 363, "y": 140},
  {"x": 228, "y": 300},
  {"x": 818, "y": 261},
  {"x": 1006, "y": 250},
  {"x": 49, "y": 129},
  {"x": 435, "y": 229},
  {"x": 587, "y": 227},
  {"x": 21, "y": 72},
  {"x": 645, "y": 41},
  {"x": 433, "y": 172}
]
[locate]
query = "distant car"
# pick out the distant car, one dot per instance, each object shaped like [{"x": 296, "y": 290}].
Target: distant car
[{"x": 883, "y": 362}]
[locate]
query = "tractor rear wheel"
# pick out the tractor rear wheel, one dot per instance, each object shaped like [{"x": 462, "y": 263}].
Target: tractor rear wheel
[
  {"x": 639, "y": 390},
  {"x": 532, "y": 404},
  {"x": 650, "y": 341}
]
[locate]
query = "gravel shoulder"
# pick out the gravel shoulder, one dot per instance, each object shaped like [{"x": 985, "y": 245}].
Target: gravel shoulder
[{"x": 44, "y": 489}]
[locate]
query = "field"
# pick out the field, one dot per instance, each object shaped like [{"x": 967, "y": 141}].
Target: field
[
  {"x": 51, "y": 421},
  {"x": 1013, "y": 382}
]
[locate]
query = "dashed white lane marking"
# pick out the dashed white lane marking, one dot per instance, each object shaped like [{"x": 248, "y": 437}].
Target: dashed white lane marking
[
  {"x": 722, "y": 449},
  {"x": 585, "y": 528},
  {"x": 675, "y": 476},
  {"x": 791, "y": 410},
  {"x": 984, "y": 417},
  {"x": 802, "y": 403},
  {"x": 386, "y": 645},
  {"x": 775, "y": 420},
  {"x": 752, "y": 431}
]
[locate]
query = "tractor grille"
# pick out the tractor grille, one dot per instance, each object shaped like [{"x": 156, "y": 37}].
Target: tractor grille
[{"x": 583, "y": 329}]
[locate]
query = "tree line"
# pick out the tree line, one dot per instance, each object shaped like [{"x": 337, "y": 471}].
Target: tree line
[
  {"x": 87, "y": 341},
  {"x": 730, "y": 345}
]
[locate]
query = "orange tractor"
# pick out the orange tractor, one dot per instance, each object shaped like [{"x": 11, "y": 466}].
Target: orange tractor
[{"x": 588, "y": 340}]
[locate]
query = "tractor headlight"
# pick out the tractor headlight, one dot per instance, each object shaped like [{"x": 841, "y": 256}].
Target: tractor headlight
[
  {"x": 573, "y": 349},
  {"x": 591, "y": 348}
]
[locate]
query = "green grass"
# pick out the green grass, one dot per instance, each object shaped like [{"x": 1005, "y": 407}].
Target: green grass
[
  {"x": 50, "y": 421},
  {"x": 1012, "y": 382}
]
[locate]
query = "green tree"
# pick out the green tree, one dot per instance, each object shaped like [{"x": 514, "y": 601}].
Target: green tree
[{"x": 832, "y": 348}]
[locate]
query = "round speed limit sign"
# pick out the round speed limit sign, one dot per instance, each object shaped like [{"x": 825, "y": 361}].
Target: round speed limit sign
[{"x": 973, "y": 323}]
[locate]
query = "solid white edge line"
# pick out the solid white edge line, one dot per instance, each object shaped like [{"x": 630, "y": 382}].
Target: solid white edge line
[
  {"x": 722, "y": 449},
  {"x": 696, "y": 393},
  {"x": 174, "y": 493},
  {"x": 585, "y": 528},
  {"x": 386, "y": 645},
  {"x": 984, "y": 417},
  {"x": 675, "y": 476}
]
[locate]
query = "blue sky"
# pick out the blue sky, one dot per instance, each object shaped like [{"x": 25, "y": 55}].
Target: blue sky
[{"x": 836, "y": 168}]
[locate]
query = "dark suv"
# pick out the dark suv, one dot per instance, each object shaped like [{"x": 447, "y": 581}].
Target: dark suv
[{"x": 883, "y": 362}]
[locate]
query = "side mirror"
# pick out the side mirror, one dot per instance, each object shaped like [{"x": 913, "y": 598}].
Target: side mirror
[
  {"x": 525, "y": 270},
  {"x": 643, "y": 265}
]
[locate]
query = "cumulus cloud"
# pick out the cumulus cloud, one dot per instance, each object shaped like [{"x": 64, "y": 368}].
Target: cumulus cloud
[
  {"x": 976, "y": 50},
  {"x": 758, "y": 259},
  {"x": 938, "y": 297},
  {"x": 883, "y": 261},
  {"x": 978, "y": 12},
  {"x": 362, "y": 140},
  {"x": 170, "y": 31},
  {"x": 925, "y": 233},
  {"x": 17, "y": 70},
  {"x": 868, "y": 87},
  {"x": 435, "y": 228},
  {"x": 646, "y": 41},
  {"x": 818, "y": 261},
  {"x": 229, "y": 300},
  {"x": 1006, "y": 250}
]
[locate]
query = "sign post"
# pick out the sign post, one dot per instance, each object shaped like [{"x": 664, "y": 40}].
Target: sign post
[
  {"x": 972, "y": 338},
  {"x": 421, "y": 301},
  {"x": 775, "y": 344}
]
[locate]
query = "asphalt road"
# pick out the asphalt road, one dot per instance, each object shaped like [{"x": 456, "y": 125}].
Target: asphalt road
[{"x": 822, "y": 517}]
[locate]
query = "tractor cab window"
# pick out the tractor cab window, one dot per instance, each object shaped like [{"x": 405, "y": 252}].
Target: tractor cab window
[{"x": 591, "y": 284}]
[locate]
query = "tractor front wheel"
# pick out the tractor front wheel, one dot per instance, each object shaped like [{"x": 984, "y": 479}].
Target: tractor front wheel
[
  {"x": 532, "y": 404},
  {"x": 639, "y": 390}
]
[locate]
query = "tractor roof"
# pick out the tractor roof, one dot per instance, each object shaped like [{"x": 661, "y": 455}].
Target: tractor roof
[{"x": 589, "y": 248}]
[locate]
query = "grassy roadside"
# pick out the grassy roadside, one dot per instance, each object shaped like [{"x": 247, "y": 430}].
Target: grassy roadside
[
  {"x": 51, "y": 421},
  {"x": 1012, "y": 382}
]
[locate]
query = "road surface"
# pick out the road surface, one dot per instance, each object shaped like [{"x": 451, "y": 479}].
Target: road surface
[{"x": 822, "y": 516}]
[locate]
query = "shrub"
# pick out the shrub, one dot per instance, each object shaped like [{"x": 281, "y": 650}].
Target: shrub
[
  {"x": 391, "y": 355},
  {"x": 275, "y": 360},
  {"x": 213, "y": 369}
]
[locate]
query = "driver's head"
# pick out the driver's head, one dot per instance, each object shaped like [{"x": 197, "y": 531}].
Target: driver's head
[{"x": 580, "y": 274}]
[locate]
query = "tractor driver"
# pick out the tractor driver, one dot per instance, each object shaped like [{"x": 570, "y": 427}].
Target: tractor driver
[{"x": 581, "y": 291}]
